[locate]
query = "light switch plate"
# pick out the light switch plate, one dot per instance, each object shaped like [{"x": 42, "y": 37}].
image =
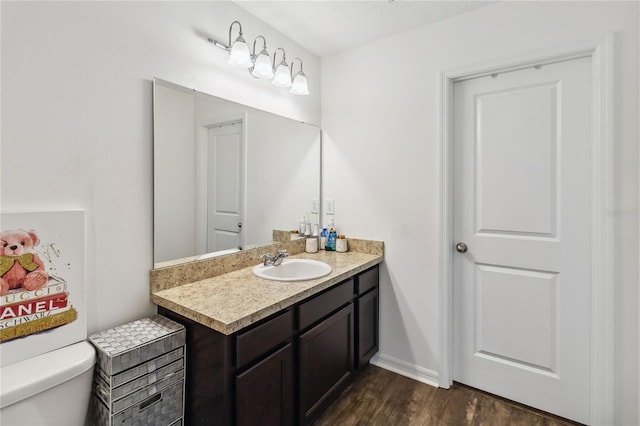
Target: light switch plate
[{"x": 330, "y": 207}]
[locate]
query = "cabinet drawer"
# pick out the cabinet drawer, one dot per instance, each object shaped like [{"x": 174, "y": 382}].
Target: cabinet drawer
[
  {"x": 162, "y": 408},
  {"x": 367, "y": 280},
  {"x": 259, "y": 340},
  {"x": 109, "y": 395},
  {"x": 128, "y": 345},
  {"x": 324, "y": 304}
]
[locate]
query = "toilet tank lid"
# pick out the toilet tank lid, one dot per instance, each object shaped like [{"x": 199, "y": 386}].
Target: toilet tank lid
[{"x": 34, "y": 375}]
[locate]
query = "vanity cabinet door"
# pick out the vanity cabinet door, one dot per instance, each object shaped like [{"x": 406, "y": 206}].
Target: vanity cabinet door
[
  {"x": 325, "y": 362},
  {"x": 265, "y": 392},
  {"x": 367, "y": 328}
]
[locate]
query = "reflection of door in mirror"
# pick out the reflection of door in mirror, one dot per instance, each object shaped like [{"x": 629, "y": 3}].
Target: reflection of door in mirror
[{"x": 220, "y": 182}]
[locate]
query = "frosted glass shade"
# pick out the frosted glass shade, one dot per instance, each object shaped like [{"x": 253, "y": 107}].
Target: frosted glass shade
[
  {"x": 239, "y": 55},
  {"x": 262, "y": 67},
  {"x": 282, "y": 77},
  {"x": 299, "y": 86}
]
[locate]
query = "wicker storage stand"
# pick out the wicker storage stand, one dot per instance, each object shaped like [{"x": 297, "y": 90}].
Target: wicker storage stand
[{"x": 139, "y": 375}]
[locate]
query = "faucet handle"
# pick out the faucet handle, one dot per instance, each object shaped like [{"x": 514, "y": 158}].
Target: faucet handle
[
  {"x": 283, "y": 253},
  {"x": 267, "y": 258}
]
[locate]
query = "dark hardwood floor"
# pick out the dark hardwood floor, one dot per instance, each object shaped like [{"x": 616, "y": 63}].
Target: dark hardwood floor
[{"x": 380, "y": 397}]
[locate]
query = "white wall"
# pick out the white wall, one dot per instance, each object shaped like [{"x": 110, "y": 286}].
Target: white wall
[
  {"x": 381, "y": 160},
  {"x": 77, "y": 119}
]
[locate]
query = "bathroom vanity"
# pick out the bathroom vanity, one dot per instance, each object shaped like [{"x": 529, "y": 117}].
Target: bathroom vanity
[{"x": 271, "y": 352}]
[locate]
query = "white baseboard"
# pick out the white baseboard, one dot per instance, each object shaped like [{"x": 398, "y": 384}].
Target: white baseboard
[{"x": 406, "y": 369}]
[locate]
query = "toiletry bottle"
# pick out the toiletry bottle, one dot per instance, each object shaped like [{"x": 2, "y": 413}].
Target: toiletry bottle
[
  {"x": 331, "y": 239},
  {"x": 302, "y": 226},
  {"x": 315, "y": 234},
  {"x": 324, "y": 234}
]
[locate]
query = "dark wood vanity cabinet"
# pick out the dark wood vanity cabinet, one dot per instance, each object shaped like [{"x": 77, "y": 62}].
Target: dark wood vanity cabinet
[
  {"x": 287, "y": 368},
  {"x": 367, "y": 317}
]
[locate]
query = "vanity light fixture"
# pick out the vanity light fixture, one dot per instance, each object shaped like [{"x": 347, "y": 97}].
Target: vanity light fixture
[
  {"x": 260, "y": 65},
  {"x": 239, "y": 55},
  {"x": 261, "y": 62},
  {"x": 282, "y": 73},
  {"x": 299, "y": 84}
]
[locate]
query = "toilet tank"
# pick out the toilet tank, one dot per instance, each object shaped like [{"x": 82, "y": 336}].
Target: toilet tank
[{"x": 49, "y": 389}]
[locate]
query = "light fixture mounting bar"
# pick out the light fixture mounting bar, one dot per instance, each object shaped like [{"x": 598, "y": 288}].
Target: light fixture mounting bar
[{"x": 219, "y": 45}]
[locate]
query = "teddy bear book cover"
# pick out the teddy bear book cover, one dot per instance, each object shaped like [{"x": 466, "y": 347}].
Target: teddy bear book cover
[{"x": 42, "y": 288}]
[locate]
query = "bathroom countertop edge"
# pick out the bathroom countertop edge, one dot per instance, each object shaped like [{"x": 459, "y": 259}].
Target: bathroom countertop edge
[{"x": 230, "y": 302}]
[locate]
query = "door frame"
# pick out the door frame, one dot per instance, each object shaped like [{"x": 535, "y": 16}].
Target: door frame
[
  {"x": 200, "y": 171},
  {"x": 601, "y": 192}
]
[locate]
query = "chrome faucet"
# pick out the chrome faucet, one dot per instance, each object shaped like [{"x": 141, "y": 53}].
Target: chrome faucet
[{"x": 276, "y": 259}]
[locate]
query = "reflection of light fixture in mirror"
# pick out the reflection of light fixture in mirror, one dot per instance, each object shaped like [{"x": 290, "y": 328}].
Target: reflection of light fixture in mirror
[
  {"x": 261, "y": 62},
  {"x": 283, "y": 75},
  {"x": 299, "y": 84}
]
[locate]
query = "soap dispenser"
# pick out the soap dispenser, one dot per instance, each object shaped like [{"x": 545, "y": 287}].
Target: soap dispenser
[
  {"x": 331, "y": 238},
  {"x": 324, "y": 235}
]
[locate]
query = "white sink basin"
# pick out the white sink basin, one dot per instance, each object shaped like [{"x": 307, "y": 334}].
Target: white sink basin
[{"x": 293, "y": 270}]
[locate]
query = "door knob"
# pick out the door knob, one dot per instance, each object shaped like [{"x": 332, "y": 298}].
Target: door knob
[
  {"x": 461, "y": 247},
  {"x": 240, "y": 225}
]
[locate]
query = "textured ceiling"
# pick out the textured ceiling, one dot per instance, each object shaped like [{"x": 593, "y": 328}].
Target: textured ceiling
[{"x": 325, "y": 27}]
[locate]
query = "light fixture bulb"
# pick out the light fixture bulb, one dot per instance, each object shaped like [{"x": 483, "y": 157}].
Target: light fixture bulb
[
  {"x": 239, "y": 55},
  {"x": 282, "y": 77},
  {"x": 262, "y": 66},
  {"x": 299, "y": 86}
]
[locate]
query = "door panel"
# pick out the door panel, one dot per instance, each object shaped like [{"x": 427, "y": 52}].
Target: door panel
[
  {"x": 520, "y": 124},
  {"x": 505, "y": 331},
  {"x": 521, "y": 203},
  {"x": 224, "y": 187}
]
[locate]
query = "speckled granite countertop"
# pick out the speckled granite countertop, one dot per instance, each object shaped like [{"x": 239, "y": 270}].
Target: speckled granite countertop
[{"x": 231, "y": 301}]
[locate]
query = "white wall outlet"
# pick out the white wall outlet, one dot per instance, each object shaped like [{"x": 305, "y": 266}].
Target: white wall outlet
[
  {"x": 330, "y": 207},
  {"x": 315, "y": 205}
]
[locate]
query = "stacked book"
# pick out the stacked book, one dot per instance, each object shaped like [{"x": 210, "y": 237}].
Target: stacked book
[{"x": 26, "y": 312}]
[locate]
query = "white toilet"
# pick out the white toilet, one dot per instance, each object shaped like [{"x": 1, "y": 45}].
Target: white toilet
[{"x": 49, "y": 389}]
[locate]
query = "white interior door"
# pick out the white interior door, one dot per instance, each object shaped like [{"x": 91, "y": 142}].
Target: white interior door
[
  {"x": 521, "y": 205},
  {"x": 224, "y": 187}
]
